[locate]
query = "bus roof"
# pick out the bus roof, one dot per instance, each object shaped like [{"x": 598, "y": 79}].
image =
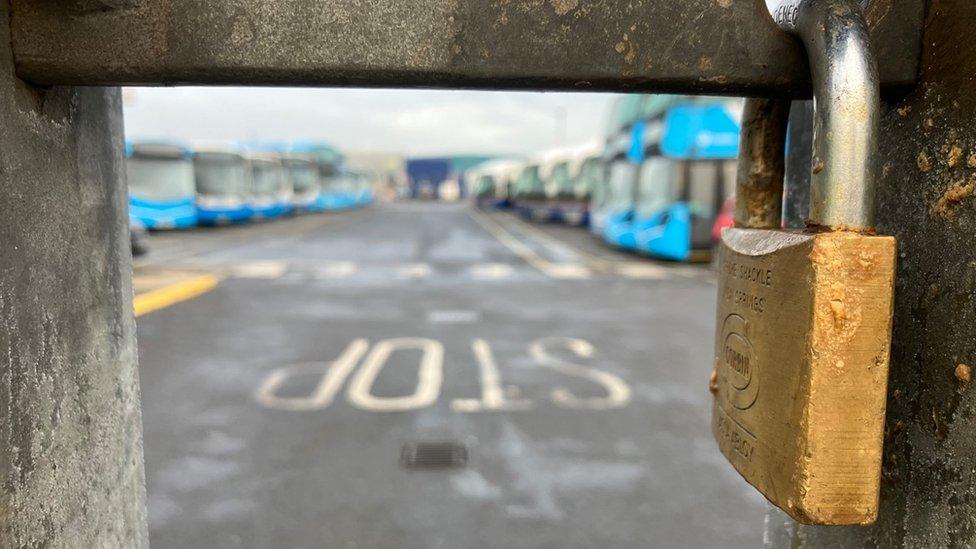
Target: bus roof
[
  {"x": 573, "y": 156},
  {"x": 259, "y": 146},
  {"x": 297, "y": 158},
  {"x": 263, "y": 157},
  {"x": 629, "y": 109},
  {"x": 632, "y": 145},
  {"x": 160, "y": 148},
  {"x": 498, "y": 169},
  {"x": 702, "y": 131},
  {"x": 218, "y": 155},
  {"x": 323, "y": 151},
  {"x": 217, "y": 149}
]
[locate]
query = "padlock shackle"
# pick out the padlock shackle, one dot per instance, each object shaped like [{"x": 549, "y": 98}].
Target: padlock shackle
[
  {"x": 847, "y": 106},
  {"x": 759, "y": 178}
]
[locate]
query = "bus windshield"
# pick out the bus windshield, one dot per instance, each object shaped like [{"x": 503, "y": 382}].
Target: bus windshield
[
  {"x": 560, "y": 184},
  {"x": 621, "y": 191},
  {"x": 220, "y": 175},
  {"x": 264, "y": 178},
  {"x": 484, "y": 186},
  {"x": 327, "y": 169},
  {"x": 588, "y": 178},
  {"x": 304, "y": 176},
  {"x": 656, "y": 188},
  {"x": 529, "y": 183},
  {"x": 160, "y": 178}
]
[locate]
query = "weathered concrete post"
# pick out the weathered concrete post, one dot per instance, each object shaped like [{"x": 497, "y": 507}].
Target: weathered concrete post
[
  {"x": 927, "y": 200},
  {"x": 70, "y": 425}
]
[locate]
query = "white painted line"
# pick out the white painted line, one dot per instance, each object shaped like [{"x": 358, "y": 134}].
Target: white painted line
[
  {"x": 628, "y": 269},
  {"x": 492, "y": 271},
  {"x": 559, "y": 247},
  {"x": 569, "y": 271},
  {"x": 429, "y": 380},
  {"x": 414, "y": 271},
  {"x": 556, "y": 246},
  {"x": 266, "y": 270},
  {"x": 552, "y": 270},
  {"x": 618, "y": 392},
  {"x": 333, "y": 375},
  {"x": 493, "y": 397},
  {"x": 336, "y": 269},
  {"x": 644, "y": 271}
]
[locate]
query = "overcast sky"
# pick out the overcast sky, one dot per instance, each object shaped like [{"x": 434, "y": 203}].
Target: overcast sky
[{"x": 409, "y": 122}]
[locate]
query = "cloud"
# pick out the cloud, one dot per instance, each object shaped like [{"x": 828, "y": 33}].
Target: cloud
[{"x": 411, "y": 122}]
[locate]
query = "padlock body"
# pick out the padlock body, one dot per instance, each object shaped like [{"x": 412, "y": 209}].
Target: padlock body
[{"x": 801, "y": 357}]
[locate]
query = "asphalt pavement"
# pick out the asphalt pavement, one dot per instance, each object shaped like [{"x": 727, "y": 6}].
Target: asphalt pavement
[{"x": 426, "y": 375}]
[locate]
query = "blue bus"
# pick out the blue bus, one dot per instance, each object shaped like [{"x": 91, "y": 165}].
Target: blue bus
[
  {"x": 635, "y": 121},
  {"x": 340, "y": 192},
  {"x": 682, "y": 183},
  {"x": 364, "y": 188},
  {"x": 613, "y": 200},
  {"x": 161, "y": 191},
  {"x": 336, "y": 190},
  {"x": 269, "y": 189},
  {"x": 221, "y": 186},
  {"x": 303, "y": 175}
]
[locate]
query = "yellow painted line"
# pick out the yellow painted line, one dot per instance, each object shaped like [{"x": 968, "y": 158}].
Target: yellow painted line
[
  {"x": 552, "y": 270},
  {"x": 166, "y": 296}
]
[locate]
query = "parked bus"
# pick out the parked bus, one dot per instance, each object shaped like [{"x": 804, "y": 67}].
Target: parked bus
[
  {"x": 269, "y": 188},
  {"x": 492, "y": 183},
  {"x": 137, "y": 237},
  {"x": 161, "y": 193},
  {"x": 335, "y": 191},
  {"x": 682, "y": 184},
  {"x": 363, "y": 188},
  {"x": 481, "y": 187},
  {"x": 592, "y": 173},
  {"x": 613, "y": 201},
  {"x": 222, "y": 186},
  {"x": 529, "y": 193},
  {"x": 343, "y": 191},
  {"x": 635, "y": 122},
  {"x": 618, "y": 171},
  {"x": 567, "y": 184},
  {"x": 303, "y": 176}
]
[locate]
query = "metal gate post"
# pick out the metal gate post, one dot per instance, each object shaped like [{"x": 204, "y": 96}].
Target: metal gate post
[
  {"x": 927, "y": 200},
  {"x": 70, "y": 425}
]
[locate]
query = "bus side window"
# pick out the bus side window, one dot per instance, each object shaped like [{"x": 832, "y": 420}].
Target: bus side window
[
  {"x": 703, "y": 187},
  {"x": 656, "y": 186},
  {"x": 680, "y": 191}
]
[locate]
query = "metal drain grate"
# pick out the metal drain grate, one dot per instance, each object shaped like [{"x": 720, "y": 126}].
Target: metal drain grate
[{"x": 433, "y": 455}]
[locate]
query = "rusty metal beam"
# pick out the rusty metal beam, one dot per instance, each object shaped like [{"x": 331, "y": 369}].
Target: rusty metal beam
[{"x": 687, "y": 46}]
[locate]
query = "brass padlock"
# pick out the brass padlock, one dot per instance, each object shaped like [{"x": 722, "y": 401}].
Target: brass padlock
[{"x": 804, "y": 317}]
